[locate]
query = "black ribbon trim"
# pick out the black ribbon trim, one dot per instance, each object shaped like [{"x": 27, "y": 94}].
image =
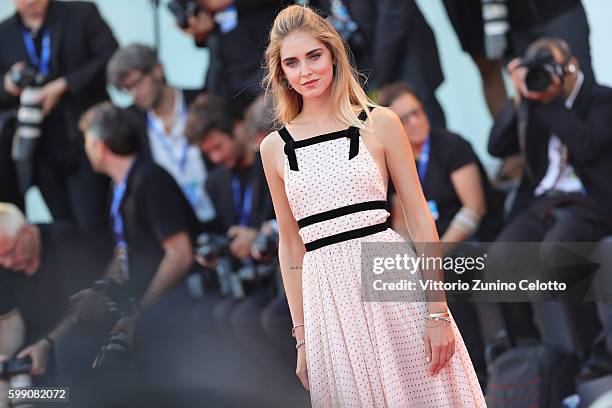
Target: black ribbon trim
[
  {"x": 340, "y": 211},
  {"x": 345, "y": 236}
]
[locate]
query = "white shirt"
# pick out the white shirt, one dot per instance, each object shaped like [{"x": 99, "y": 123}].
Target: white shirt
[
  {"x": 560, "y": 175},
  {"x": 183, "y": 161}
]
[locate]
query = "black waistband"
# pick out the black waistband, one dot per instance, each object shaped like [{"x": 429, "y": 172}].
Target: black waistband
[
  {"x": 338, "y": 212},
  {"x": 345, "y": 236}
]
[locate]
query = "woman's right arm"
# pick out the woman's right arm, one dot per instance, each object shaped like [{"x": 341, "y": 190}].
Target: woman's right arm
[{"x": 291, "y": 248}]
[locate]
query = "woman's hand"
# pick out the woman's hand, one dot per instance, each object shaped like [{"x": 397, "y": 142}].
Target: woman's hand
[
  {"x": 301, "y": 370},
  {"x": 439, "y": 344}
]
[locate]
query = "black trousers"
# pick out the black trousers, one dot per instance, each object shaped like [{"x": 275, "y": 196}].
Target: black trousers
[{"x": 564, "y": 218}]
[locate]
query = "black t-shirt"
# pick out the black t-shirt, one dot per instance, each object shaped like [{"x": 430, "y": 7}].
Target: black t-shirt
[
  {"x": 72, "y": 259},
  {"x": 448, "y": 153},
  {"x": 153, "y": 209},
  {"x": 219, "y": 188}
]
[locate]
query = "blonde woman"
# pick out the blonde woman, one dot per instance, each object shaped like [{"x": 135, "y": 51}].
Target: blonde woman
[{"x": 327, "y": 169}]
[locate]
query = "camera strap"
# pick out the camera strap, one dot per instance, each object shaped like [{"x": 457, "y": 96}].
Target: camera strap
[
  {"x": 42, "y": 63},
  {"x": 117, "y": 219}
]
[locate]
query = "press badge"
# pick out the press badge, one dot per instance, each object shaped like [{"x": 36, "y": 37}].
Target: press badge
[
  {"x": 227, "y": 19},
  {"x": 433, "y": 208}
]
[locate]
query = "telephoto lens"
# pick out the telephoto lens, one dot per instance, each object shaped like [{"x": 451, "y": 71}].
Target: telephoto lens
[
  {"x": 29, "y": 120},
  {"x": 115, "y": 352}
]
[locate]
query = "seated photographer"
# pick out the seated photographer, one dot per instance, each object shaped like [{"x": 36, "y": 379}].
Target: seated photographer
[
  {"x": 52, "y": 63},
  {"x": 242, "y": 201},
  {"x": 40, "y": 267},
  {"x": 463, "y": 203},
  {"x": 162, "y": 112},
  {"x": 561, "y": 122},
  {"x": 154, "y": 227}
]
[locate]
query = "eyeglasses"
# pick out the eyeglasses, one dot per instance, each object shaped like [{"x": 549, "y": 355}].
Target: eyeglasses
[{"x": 413, "y": 113}]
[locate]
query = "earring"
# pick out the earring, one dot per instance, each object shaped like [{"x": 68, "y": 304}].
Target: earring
[{"x": 288, "y": 85}]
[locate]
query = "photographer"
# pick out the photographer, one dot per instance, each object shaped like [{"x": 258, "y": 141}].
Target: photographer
[
  {"x": 561, "y": 122},
  {"x": 40, "y": 267},
  {"x": 236, "y": 33},
  {"x": 162, "y": 113},
  {"x": 52, "y": 63},
  {"x": 154, "y": 227},
  {"x": 242, "y": 201}
]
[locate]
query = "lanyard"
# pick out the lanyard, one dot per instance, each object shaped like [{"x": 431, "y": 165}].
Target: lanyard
[
  {"x": 42, "y": 63},
  {"x": 242, "y": 208},
  {"x": 423, "y": 161},
  {"x": 117, "y": 219},
  {"x": 161, "y": 136}
]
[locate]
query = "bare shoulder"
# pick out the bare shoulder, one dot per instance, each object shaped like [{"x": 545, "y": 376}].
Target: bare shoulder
[
  {"x": 272, "y": 153},
  {"x": 385, "y": 125},
  {"x": 382, "y": 119},
  {"x": 270, "y": 145}
]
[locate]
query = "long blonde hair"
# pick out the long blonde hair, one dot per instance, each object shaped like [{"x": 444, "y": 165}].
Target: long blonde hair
[{"x": 347, "y": 92}]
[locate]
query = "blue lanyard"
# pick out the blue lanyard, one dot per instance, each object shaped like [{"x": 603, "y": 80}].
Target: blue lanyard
[
  {"x": 242, "y": 208},
  {"x": 42, "y": 63},
  {"x": 116, "y": 217},
  {"x": 423, "y": 161},
  {"x": 161, "y": 135}
]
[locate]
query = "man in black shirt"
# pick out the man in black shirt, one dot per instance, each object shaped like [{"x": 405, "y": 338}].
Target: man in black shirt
[
  {"x": 237, "y": 185},
  {"x": 41, "y": 267},
  {"x": 243, "y": 203},
  {"x": 154, "y": 227}
]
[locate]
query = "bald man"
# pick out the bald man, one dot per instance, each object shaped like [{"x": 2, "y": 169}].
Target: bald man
[{"x": 41, "y": 266}]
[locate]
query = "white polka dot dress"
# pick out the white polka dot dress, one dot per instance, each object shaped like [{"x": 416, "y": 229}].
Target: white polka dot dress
[{"x": 359, "y": 354}]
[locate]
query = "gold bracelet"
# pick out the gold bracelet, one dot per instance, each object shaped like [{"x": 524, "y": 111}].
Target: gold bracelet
[
  {"x": 295, "y": 327},
  {"x": 299, "y": 344}
]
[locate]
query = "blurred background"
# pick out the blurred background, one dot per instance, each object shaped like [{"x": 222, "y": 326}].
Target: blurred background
[{"x": 460, "y": 94}]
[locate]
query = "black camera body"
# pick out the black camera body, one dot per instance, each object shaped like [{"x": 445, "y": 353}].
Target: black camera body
[
  {"x": 182, "y": 9},
  {"x": 541, "y": 68},
  {"x": 27, "y": 77},
  {"x": 15, "y": 366},
  {"x": 267, "y": 244}
]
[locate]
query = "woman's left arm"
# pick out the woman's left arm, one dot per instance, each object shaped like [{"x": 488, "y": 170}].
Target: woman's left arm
[{"x": 438, "y": 337}]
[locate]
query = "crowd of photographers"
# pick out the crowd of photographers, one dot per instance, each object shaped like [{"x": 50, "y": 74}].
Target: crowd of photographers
[{"x": 157, "y": 282}]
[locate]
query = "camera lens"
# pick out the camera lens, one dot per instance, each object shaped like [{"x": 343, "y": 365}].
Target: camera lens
[{"x": 538, "y": 79}]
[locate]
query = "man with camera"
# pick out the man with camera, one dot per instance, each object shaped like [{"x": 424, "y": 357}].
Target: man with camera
[
  {"x": 242, "y": 201},
  {"x": 52, "y": 63},
  {"x": 561, "y": 123},
  {"x": 236, "y": 34},
  {"x": 154, "y": 227},
  {"x": 40, "y": 267}
]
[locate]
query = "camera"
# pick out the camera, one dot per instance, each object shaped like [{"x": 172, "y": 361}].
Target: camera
[
  {"x": 266, "y": 243},
  {"x": 29, "y": 119},
  {"x": 214, "y": 247},
  {"x": 541, "y": 67},
  {"x": 114, "y": 352},
  {"x": 182, "y": 9},
  {"x": 15, "y": 366}
]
